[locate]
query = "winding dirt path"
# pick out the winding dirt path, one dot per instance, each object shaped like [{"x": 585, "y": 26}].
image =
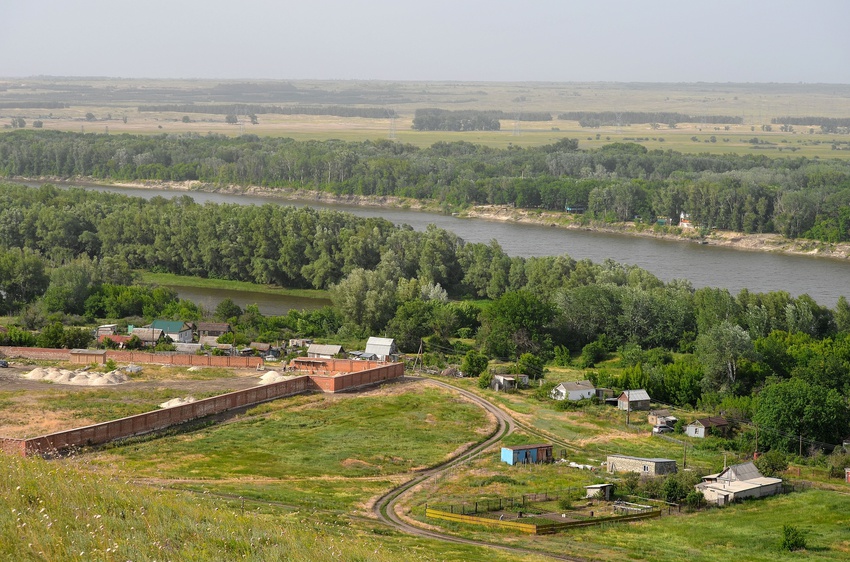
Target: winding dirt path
[{"x": 385, "y": 506}]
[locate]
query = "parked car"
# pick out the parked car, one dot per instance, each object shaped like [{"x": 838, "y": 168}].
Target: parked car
[
  {"x": 4, "y": 363},
  {"x": 659, "y": 429}
]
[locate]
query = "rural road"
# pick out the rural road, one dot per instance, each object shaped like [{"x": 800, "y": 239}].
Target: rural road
[{"x": 384, "y": 507}]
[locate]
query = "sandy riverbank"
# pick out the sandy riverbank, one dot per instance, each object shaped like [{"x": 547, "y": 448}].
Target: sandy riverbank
[{"x": 736, "y": 240}]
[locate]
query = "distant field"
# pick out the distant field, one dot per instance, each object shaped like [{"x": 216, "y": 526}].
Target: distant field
[{"x": 111, "y": 102}]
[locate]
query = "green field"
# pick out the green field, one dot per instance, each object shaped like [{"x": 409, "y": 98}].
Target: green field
[
  {"x": 171, "y": 280},
  {"x": 313, "y": 436}
]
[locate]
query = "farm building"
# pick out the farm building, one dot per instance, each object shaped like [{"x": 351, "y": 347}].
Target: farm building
[
  {"x": 737, "y": 482},
  {"x": 322, "y": 351},
  {"x": 299, "y": 342},
  {"x": 633, "y": 400},
  {"x": 384, "y": 349},
  {"x": 527, "y": 454},
  {"x": 704, "y": 427},
  {"x": 577, "y": 390},
  {"x": 600, "y": 491},
  {"x": 649, "y": 467},
  {"x": 508, "y": 382}
]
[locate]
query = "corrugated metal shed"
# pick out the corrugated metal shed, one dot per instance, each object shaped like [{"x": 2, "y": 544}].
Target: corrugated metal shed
[
  {"x": 382, "y": 347},
  {"x": 324, "y": 350}
]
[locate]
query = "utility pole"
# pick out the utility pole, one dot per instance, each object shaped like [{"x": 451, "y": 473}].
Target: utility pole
[
  {"x": 801, "y": 444},
  {"x": 757, "y": 438},
  {"x": 684, "y": 456}
]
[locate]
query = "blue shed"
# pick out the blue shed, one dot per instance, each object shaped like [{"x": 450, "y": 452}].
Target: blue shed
[{"x": 524, "y": 454}]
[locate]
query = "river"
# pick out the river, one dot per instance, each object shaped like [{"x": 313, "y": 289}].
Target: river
[{"x": 823, "y": 279}]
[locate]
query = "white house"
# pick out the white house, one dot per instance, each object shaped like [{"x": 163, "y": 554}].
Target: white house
[
  {"x": 737, "y": 482},
  {"x": 578, "y": 390}
]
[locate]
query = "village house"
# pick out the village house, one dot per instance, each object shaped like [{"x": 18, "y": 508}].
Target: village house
[
  {"x": 299, "y": 342},
  {"x": 119, "y": 340},
  {"x": 213, "y": 329},
  {"x": 527, "y": 454},
  {"x": 645, "y": 466},
  {"x": 178, "y": 331},
  {"x": 578, "y": 390},
  {"x": 704, "y": 427},
  {"x": 633, "y": 400},
  {"x": 322, "y": 351},
  {"x": 148, "y": 336},
  {"x": 384, "y": 349},
  {"x": 737, "y": 482}
]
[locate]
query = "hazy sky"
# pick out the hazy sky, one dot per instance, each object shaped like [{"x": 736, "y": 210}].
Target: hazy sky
[{"x": 469, "y": 40}]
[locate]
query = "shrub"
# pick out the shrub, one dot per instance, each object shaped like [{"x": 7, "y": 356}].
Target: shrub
[
  {"x": 792, "y": 538},
  {"x": 772, "y": 463},
  {"x": 695, "y": 499},
  {"x": 591, "y": 354},
  {"x": 485, "y": 379},
  {"x": 565, "y": 503}
]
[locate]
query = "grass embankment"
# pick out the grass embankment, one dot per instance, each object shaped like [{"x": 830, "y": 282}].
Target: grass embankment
[
  {"x": 53, "y": 512},
  {"x": 168, "y": 279}
]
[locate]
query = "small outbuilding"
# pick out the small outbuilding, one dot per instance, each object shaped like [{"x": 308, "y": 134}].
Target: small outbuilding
[
  {"x": 599, "y": 491},
  {"x": 527, "y": 454},
  {"x": 645, "y": 466},
  {"x": 704, "y": 427},
  {"x": 384, "y": 349},
  {"x": 633, "y": 400},
  {"x": 574, "y": 391},
  {"x": 88, "y": 356},
  {"x": 508, "y": 382}
]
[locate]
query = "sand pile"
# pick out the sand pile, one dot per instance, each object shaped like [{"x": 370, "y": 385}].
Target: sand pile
[
  {"x": 81, "y": 378},
  {"x": 177, "y": 402},
  {"x": 273, "y": 376}
]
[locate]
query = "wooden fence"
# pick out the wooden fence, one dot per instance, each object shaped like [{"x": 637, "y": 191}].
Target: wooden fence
[{"x": 536, "y": 529}]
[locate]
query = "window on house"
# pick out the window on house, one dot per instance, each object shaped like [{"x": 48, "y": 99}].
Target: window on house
[{"x": 646, "y": 468}]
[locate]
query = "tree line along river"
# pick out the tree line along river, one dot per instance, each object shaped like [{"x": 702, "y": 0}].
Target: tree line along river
[{"x": 823, "y": 279}]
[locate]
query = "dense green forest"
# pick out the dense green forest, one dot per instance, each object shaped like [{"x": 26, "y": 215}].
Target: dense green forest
[
  {"x": 796, "y": 197},
  {"x": 68, "y": 257}
]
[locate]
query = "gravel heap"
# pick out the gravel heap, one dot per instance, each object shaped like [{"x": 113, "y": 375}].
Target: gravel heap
[
  {"x": 81, "y": 378},
  {"x": 177, "y": 402},
  {"x": 273, "y": 376}
]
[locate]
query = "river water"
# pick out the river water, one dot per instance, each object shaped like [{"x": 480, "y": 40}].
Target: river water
[{"x": 823, "y": 279}]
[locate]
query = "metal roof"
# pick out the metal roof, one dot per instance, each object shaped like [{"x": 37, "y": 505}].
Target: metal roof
[
  {"x": 527, "y": 447},
  {"x": 324, "y": 349},
  {"x": 641, "y": 458},
  {"x": 639, "y": 394},
  {"x": 577, "y": 385},
  {"x": 381, "y": 346}
]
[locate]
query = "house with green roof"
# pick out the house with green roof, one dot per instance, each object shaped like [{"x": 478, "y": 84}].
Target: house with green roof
[{"x": 177, "y": 330}]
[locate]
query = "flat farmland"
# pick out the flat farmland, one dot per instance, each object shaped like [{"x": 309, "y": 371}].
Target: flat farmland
[{"x": 175, "y": 107}]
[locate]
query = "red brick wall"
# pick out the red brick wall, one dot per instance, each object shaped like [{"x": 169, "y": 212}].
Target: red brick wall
[
  {"x": 13, "y": 446},
  {"x": 37, "y": 353},
  {"x": 161, "y": 419}
]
